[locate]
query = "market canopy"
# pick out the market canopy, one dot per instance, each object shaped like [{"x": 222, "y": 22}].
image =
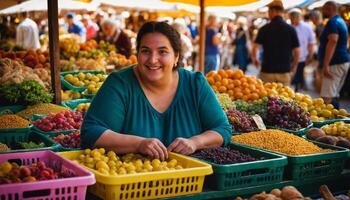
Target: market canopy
[
  {"x": 141, "y": 4},
  {"x": 41, "y": 5},
  {"x": 318, "y": 4}
]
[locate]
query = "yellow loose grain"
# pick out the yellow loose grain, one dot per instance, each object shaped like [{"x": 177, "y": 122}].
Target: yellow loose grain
[
  {"x": 42, "y": 108},
  {"x": 279, "y": 141},
  {"x": 13, "y": 121}
]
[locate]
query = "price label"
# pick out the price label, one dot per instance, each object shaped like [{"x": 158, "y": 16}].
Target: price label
[{"x": 259, "y": 122}]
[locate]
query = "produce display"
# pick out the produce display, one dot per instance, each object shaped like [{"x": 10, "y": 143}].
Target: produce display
[
  {"x": 70, "y": 95},
  {"x": 258, "y": 107},
  {"x": 223, "y": 156},
  {"x": 64, "y": 120},
  {"x": 279, "y": 141},
  {"x": 329, "y": 137},
  {"x": 241, "y": 121},
  {"x": 71, "y": 140},
  {"x": 225, "y": 101},
  {"x": 13, "y": 121},
  {"x": 30, "y": 58},
  {"x": 4, "y": 147},
  {"x": 41, "y": 109},
  {"x": 340, "y": 129},
  {"x": 113, "y": 165},
  {"x": 28, "y": 92},
  {"x": 316, "y": 107},
  {"x": 12, "y": 173},
  {"x": 287, "y": 193},
  {"x": 13, "y": 71},
  {"x": 83, "y": 107},
  {"x": 236, "y": 84},
  {"x": 120, "y": 61},
  {"x": 286, "y": 114},
  {"x": 30, "y": 145},
  {"x": 93, "y": 82}
]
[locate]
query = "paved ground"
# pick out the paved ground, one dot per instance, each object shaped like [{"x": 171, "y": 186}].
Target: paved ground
[{"x": 310, "y": 89}]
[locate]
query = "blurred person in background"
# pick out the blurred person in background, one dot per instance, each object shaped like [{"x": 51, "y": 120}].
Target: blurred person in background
[
  {"x": 75, "y": 27},
  {"x": 280, "y": 47},
  {"x": 333, "y": 55},
  {"x": 242, "y": 44},
  {"x": 27, "y": 34},
  {"x": 306, "y": 41},
  {"x": 316, "y": 19},
  {"x": 212, "y": 41},
  {"x": 90, "y": 26},
  {"x": 113, "y": 34},
  {"x": 186, "y": 43}
]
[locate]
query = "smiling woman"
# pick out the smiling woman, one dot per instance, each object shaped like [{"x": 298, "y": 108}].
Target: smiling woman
[{"x": 155, "y": 106}]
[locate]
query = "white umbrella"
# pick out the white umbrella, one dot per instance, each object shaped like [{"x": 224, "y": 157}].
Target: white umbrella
[
  {"x": 141, "y": 4},
  {"x": 41, "y": 5},
  {"x": 320, "y": 3}
]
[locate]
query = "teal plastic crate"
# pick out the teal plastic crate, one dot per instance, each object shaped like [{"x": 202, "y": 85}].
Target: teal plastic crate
[
  {"x": 317, "y": 165},
  {"x": 330, "y": 121},
  {"x": 267, "y": 171},
  {"x": 60, "y": 147},
  {"x": 12, "y": 138},
  {"x": 11, "y": 109},
  {"x": 69, "y": 86},
  {"x": 299, "y": 132},
  {"x": 72, "y": 104}
]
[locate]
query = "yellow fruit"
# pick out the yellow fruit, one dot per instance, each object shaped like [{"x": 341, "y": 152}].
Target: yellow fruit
[
  {"x": 326, "y": 113},
  {"x": 329, "y": 106},
  {"x": 5, "y": 167},
  {"x": 313, "y": 113},
  {"x": 343, "y": 112},
  {"x": 101, "y": 164},
  {"x": 103, "y": 171}
]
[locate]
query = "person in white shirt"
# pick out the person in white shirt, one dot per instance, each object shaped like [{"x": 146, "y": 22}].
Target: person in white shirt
[
  {"x": 186, "y": 43},
  {"x": 306, "y": 40},
  {"x": 27, "y": 34}
]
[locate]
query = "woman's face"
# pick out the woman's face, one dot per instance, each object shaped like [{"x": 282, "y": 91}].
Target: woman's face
[{"x": 156, "y": 57}]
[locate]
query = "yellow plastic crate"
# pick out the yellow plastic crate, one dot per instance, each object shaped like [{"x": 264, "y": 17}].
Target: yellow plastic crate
[{"x": 150, "y": 185}]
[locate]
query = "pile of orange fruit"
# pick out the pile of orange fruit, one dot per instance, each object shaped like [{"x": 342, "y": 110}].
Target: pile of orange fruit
[{"x": 236, "y": 84}]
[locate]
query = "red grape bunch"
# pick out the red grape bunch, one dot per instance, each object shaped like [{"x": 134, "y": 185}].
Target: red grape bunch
[{"x": 64, "y": 120}]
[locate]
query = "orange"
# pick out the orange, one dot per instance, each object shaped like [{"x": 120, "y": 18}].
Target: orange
[
  {"x": 253, "y": 96},
  {"x": 251, "y": 80},
  {"x": 222, "y": 89},
  {"x": 262, "y": 93},
  {"x": 231, "y": 86},
  {"x": 243, "y": 80},
  {"x": 222, "y": 73},
  {"x": 225, "y": 81},
  {"x": 218, "y": 84},
  {"x": 238, "y": 95},
  {"x": 237, "y": 89},
  {"x": 230, "y": 73},
  {"x": 252, "y": 87},
  {"x": 245, "y": 85},
  {"x": 211, "y": 74},
  {"x": 245, "y": 97},
  {"x": 237, "y": 82},
  {"x": 230, "y": 93},
  {"x": 237, "y": 74},
  {"x": 214, "y": 88},
  {"x": 211, "y": 80},
  {"x": 217, "y": 77},
  {"x": 246, "y": 91}
]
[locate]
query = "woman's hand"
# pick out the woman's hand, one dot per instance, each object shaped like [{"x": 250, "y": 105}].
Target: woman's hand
[
  {"x": 183, "y": 146},
  {"x": 154, "y": 148}
]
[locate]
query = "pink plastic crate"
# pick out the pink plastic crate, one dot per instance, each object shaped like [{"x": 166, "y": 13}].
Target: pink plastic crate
[{"x": 58, "y": 189}]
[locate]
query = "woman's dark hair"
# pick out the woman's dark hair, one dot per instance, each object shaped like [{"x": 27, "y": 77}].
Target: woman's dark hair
[{"x": 165, "y": 29}]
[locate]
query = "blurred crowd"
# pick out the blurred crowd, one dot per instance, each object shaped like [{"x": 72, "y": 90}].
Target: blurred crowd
[{"x": 280, "y": 44}]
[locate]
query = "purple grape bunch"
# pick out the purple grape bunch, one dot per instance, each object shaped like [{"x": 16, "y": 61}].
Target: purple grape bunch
[
  {"x": 286, "y": 114},
  {"x": 241, "y": 121},
  {"x": 223, "y": 156}
]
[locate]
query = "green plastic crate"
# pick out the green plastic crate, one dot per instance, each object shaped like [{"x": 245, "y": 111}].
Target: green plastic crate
[
  {"x": 11, "y": 109},
  {"x": 315, "y": 165},
  {"x": 12, "y": 138},
  {"x": 52, "y": 133},
  {"x": 69, "y": 86},
  {"x": 299, "y": 132},
  {"x": 239, "y": 175},
  {"x": 330, "y": 121},
  {"x": 72, "y": 104},
  {"x": 60, "y": 147}
]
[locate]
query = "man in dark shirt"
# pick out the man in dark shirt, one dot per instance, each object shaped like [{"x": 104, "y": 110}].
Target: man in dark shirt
[
  {"x": 332, "y": 54},
  {"x": 280, "y": 47}
]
